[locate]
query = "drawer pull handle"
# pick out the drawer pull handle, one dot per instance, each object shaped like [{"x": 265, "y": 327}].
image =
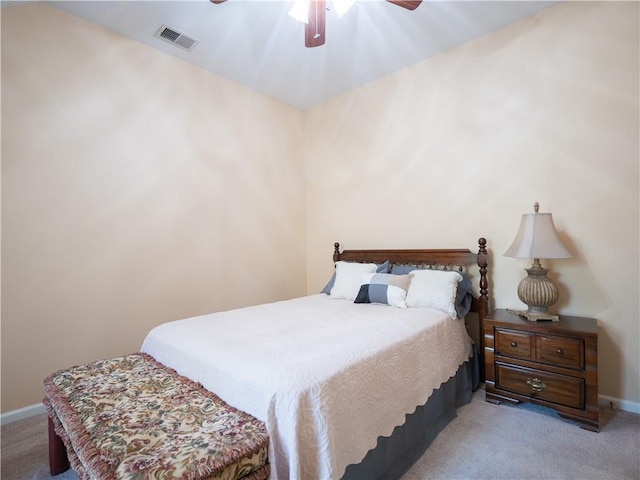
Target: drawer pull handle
[
  {"x": 514, "y": 344},
  {"x": 536, "y": 384},
  {"x": 559, "y": 351}
]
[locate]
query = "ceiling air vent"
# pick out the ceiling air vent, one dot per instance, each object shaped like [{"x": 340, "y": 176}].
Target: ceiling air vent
[{"x": 171, "y": 35}]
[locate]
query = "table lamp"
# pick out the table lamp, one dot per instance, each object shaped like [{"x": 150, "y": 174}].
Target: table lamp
[{"x": 537, "y": 238}]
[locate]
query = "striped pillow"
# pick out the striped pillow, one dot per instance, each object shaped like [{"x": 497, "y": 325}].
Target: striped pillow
[{"x": 385, "y": 289}]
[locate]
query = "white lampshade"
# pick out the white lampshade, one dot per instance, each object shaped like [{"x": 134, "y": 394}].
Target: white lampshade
[{"x": 537, "y": 238}]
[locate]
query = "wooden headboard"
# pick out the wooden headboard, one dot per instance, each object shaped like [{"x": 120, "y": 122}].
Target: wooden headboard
[{"x": 446, "y": 259}]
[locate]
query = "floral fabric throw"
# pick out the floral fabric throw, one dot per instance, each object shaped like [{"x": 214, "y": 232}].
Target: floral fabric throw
[{"x": 132, "y": 418}]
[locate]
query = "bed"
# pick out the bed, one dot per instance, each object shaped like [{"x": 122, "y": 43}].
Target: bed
[{"x": 348, "y": 385}]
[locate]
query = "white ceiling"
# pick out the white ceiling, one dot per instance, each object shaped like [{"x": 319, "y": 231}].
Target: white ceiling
[{"x": 257, "y": 44}]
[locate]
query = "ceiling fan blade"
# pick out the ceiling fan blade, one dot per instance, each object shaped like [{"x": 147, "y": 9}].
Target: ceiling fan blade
[
  {"x": 408, "y": 4},
  {"x": 314, "y": 29}
]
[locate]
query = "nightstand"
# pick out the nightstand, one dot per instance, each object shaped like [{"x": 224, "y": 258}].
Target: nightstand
[{"x": 553, "y": 364}]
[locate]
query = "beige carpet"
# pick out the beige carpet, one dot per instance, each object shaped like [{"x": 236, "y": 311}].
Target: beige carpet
[
  {"x": 485, "y": 441},
  {"x": 488, "y": 441}
]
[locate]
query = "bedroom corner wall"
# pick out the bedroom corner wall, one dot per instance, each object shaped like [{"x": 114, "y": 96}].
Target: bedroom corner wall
[
  {"x": 461, "y": 145},
  {"x": 136, "y": 189}
]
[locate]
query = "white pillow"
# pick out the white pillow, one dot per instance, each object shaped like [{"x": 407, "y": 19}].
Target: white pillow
[
  {"x": 434, "y": 289},
  {"x": 349, "y": 278}
]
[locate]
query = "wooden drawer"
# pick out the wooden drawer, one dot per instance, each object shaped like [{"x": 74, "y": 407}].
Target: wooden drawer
[
  {"x": 560, "y": 351},
  {"x": 512, "y": 343},
  {"x": 554, "y": 364},
  {"x": 560, "y": 389}
]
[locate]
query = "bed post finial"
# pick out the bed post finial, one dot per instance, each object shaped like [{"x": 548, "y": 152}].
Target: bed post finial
[
  {"x": 483, "y": 307},
  {"x": 336, "y": 252},
  {"x": 482, "y": 263}
]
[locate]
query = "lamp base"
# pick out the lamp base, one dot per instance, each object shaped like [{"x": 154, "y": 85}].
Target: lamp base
[
  {"x": 538, "y": 292},
  {"x": 535, "y": 317}
]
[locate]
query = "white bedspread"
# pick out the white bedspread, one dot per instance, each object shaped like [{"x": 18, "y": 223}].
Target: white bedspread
[{"x": 327, "y": 376}]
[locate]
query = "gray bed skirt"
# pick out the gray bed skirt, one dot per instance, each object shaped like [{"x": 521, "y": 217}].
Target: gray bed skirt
[{"x": 394, "y": 455}]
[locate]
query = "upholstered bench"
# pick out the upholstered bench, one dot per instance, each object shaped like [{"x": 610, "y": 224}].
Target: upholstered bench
[{"x": 132, "y": 418}]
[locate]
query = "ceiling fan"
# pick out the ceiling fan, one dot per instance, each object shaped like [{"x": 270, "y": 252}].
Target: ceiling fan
[{"x": 314, "y": 29}]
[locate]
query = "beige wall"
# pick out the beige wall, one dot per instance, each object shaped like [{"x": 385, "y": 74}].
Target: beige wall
[
  {"x": 136, "y": 189},
  {"x": 131, "y": 196},
  {"x": 462, "y": 144}
]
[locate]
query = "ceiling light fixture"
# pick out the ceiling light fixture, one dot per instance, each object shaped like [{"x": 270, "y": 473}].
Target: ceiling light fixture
[
  {"x": 312, "y": 14},
  {"x": 343, "y": 6},
  {"x": 300, "y": 10}
]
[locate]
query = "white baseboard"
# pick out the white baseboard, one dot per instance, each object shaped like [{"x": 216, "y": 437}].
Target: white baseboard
[
  {"x": 632, "y": 407},
  {"x": 38, "y": 408},
  {"x": 21, "y": 413}
]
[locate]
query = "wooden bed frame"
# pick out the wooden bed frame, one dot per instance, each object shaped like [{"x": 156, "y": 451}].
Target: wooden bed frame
[{"x": 445, "y": 259}]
